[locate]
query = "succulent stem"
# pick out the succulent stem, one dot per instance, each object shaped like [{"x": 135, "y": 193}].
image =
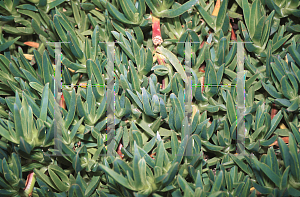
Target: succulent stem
[
  {"x": 156, "y": 34},
  {"x": 30, "y": 184}
]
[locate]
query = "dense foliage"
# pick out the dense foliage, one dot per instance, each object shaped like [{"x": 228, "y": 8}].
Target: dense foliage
[{"x": 151, "y": 132}]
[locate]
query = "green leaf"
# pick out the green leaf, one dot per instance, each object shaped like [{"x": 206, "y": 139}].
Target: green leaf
[
  {"x": 280, "y": 42},
  {"x": 76, "y": 163},
  {"x": 159, "y": 160},
  {"x": 258, "y": 30},
  {"x": 146, "y": 104},
  {"x": 294, "y": 105},
  {"x": 246, "y": 12},
  {"x": 267, "y": 28},
  {"x": 134, "y": 78},
  {"x": 36, "y": 27},
  {"x": 263, "y": 189},
  {"x": 18, "y": 122},
  {"x": 254, "y": 14},
  {"x": 152, "y": 7},
  {"x": 207, "y": 18},
  {"x": 75, "y": 48},
  {"x": 47, "y": 70},
  {"x": 294, "y": 53},
  {"x": 181, "y": 150},
  {"x": 283, "y": 102},
  {"x": 271, "y": 90},
  {"x": 136, "y": 99},
  {"x": 44, "y": 105},
  {"x": 25, "y": 146},
  {"x": 292, "y": 191},
  {"x": 221, "y": 15},
  {"x": 272, "y": 175},
  {"x": 128, "y": 9},
  {"x": 172, "y": 13},
  {"x": 218, "y": 182},
  {"x": 295, "y": 132},
  {"x": 146, "y": 128},
  {"x": 284, "y": 178},
  {"x": 8, "y": 44},
  {"x": 212, "y": 147},
  {"x": 176, "y": 105},
  {"x": 61, "y": 33},
  {"x": 92, "y": 185},
  {"x": 8, "y": 175},
  {"x": 183, "y": 184},
  {"x": 274, "y": 123},
  {"x": 174, "y": 61},
  {"x": 71, "y": 110},
  {"x": 286, "y": 88},
  {"x": 53, "y": 4},
  {"x": 45, "y": 178},
  {"x": 117, "y": 177},
  {"x": 59, "y": 177},
  {"x": 75, "y": 129},
  {"x": 231, "y": 111},
  {"x": 284, "y": 152},
  {"x": 117, "y": 15},
  {"x": 251, "y": 81},
  {"x": 241, "y": 164},
  {"x": 29, "y": 76}
]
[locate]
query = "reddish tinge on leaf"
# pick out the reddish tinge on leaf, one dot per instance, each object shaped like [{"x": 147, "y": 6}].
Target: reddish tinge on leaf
[
  {"x": 32, "y": 44},
  {"x": 119, "y": 150},
  {"x": 30, "y": 181},
  {"x": 62, "y": 102},
  {"x": 285, "y": 139},
  {"x": 152, "y": 155}
]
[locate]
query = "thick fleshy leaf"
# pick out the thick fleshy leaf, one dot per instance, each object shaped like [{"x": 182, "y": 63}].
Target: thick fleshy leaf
[
  {"x": 172, "y": 13},
  {"x": 117, "y": 15},
  {"x": 208, "y": 19},
  {"x": 221, "y": 15},
  {"x": 174, "y": 61},
  {"x": 8, "y": 44},
  {"x": 118, "y": 178}
]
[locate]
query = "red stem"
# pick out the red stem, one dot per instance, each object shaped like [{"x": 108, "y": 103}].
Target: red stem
[{"x": 156, "y": 34}]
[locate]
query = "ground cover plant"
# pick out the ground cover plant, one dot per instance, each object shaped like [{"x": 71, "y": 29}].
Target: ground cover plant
[{"x": 55, "y": 141}]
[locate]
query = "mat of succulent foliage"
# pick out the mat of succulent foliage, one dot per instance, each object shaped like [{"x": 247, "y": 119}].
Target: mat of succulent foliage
[{"x": 50, "y": 148}]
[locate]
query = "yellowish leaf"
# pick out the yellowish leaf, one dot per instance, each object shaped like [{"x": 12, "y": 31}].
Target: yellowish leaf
[
  {"x": 217, "y": 8},
  {"x": 29, "y": 57}
]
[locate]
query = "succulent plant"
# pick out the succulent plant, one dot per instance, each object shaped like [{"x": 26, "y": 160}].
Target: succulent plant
[{"x": 159, "y": 145}]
